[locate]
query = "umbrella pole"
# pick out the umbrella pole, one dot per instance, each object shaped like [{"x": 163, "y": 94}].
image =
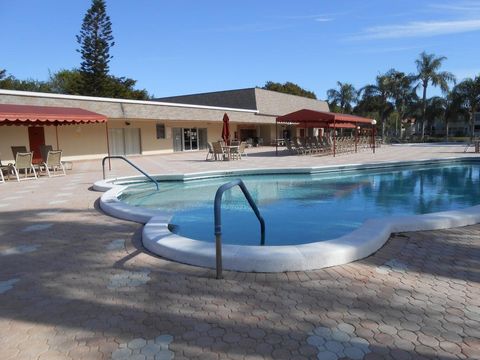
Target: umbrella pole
[
  {"x": 356, "y": 137},
  {"x": 276, "y": 134},
  {"x": 108, "y": 148},
  {"x": 56, "y": 135},
  {"x": 334, "y": 137}
]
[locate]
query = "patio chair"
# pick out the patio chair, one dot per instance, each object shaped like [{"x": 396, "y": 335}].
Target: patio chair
[
  {"x": 218, "y": 151},
  {"x": 44, "y": 149},
  {"x": 4, "y": 168},
  {"x": 23, "y": 161},
  {"x": 17, "y": 149},
  {"x": 210, "y": 151},
  {"x": 54, "y": 163},
  {"x": 241, "y": 149}
]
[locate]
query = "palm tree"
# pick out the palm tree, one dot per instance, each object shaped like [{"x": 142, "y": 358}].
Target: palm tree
[
  {"x": 468, "y": 94},
  {"x": 344, "y": 97},
  {"x": 436, "y": 109},
  {"x": 379, "y": 93},
  {"x": 402, "y": 93},
  {"x": 428, "y": 66}
]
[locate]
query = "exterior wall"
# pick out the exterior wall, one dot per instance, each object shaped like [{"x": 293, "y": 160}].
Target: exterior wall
[
  {"x": 11, "y": 136},
  {"x": 80, "y": 142},
  {"x": 72, "y": 140}
]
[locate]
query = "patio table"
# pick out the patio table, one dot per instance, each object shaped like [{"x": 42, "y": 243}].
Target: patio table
[{"x": 228, "y": 149}]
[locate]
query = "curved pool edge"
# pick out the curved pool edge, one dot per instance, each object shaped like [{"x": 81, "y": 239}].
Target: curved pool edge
[{"x": 356, "y": 245}]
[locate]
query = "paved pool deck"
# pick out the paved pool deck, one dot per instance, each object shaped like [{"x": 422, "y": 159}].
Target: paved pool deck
[{"x": 77, "y": 284}]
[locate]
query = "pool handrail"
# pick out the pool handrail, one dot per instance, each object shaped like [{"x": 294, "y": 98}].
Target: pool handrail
[
  {"x": 129, "y": 162},
  {"x": 217, "y": 207}
]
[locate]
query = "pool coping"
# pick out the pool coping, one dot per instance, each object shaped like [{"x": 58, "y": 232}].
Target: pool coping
[{"x": 358, "y": 244}]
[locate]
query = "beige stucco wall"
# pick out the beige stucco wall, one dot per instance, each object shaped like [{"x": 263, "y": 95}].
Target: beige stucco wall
[{"x": 11, "y": 136}]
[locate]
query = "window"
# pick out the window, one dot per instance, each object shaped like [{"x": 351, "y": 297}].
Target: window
[{"x": 160, "y": 131}]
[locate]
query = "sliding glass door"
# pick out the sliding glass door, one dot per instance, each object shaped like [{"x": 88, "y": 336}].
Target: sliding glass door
[{"x": 189, "y": 139}]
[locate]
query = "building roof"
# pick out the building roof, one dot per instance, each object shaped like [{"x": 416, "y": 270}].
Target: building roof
[{"x": 266, "y": 102}]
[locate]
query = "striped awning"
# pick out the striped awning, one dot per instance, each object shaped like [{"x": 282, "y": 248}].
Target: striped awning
[{"x": 47, "y": 115}]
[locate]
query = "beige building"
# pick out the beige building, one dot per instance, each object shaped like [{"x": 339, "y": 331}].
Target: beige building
[{"x": 182, "y": 123}]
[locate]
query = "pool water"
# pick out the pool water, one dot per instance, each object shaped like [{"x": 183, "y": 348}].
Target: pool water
[{"x": 308, "y": 208}]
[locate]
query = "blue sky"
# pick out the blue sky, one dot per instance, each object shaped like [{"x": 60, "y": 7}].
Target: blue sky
[{"x": 181, "y": 47}]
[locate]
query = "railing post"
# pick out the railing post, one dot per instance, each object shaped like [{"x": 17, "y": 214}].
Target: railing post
[
  {"x": 131, "y": 164},
  {"x": 217, "y": 212},
  {"x": 218, "y": 255}
]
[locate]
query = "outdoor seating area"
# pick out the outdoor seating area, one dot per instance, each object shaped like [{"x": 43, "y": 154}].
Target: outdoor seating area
[
  {"x": 220, "y": 151},
  {"x": 323, "y": 145},
  {"x": 25, "y": 167}
]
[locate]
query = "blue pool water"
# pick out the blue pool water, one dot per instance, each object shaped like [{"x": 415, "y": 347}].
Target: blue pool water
[{"x": 308, "y": 208}]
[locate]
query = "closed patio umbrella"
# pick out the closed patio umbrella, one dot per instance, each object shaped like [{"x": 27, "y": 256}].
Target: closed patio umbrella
[{"x": 226, "y": 129}]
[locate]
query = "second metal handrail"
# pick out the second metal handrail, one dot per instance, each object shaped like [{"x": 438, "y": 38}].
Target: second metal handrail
[
  {"x": 129, "y": 162},
  {"x": 218, "y": 219}
]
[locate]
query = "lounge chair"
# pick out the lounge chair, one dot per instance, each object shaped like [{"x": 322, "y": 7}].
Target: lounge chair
[
  {"x": 289, "y": 147},
  {"x": 299, "y": 147},
  {"x": 17, "y": 149},
  {"x": 210, "y": 151},
  {"x": 54, "y": 163},
  {"x": 23, "y": 161},
  {"x": 44, "y": 149}
]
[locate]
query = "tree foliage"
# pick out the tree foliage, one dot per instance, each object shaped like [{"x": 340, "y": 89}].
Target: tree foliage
[
  {"x": 343, "y": 98},
  {"x": 289, "y": 88},
  {"x": 95, "y": 40},
  {"x": 10, "y": 82},
  {"x": 467, "y": 93}
]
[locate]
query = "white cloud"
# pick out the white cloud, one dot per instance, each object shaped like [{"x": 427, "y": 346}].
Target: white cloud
[
  {"x": 323, "y": 19},
  {"x": 419, "y": 29},
  {"x": 465, "y": 7}
]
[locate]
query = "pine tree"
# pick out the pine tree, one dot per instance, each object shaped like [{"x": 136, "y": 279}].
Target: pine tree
[{"x": 95, "y": 40}]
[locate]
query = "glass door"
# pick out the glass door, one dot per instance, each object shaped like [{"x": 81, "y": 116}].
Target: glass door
[
  {"x": 202, "y": 139},
  {"x": 177, "y": 139},
  {"x": 190, "y": 139}
]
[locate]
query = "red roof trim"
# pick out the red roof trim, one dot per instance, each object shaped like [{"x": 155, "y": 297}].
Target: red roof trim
[{"x": 46, "y": 115}]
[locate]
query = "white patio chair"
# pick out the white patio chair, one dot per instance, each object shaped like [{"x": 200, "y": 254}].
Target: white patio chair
[
  {"x": 54, "y": 163},
  {"x": 23, "y": 161}
]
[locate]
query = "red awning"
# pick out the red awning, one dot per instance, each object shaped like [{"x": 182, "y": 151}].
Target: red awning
[
  {"x": 47, "y": 115},
  {"x": 312, "y": 118}
]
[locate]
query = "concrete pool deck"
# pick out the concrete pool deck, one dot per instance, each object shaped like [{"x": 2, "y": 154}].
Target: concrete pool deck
[{"x": 76, "y": 284}]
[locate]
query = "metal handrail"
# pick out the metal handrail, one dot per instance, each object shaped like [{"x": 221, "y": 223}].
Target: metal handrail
[
  {"x": 129, "y": 162},
  {"x": 218, "y": 219}
]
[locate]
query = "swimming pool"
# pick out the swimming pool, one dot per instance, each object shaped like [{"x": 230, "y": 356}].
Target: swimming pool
[
  {"x": 306, "y": 208},
  {"x": 315, "y": 217}
]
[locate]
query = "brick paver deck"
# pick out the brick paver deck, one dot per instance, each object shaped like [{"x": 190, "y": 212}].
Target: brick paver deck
[{"x": 76, "y": 284}]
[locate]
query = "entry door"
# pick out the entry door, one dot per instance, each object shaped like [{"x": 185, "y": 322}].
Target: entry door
[
  {"x": 124, "y": 141},
  {"x": 36, "y": 138},
  {"x": 132, "y": 141},
  {"x": 177, "y": 139},
  {"x": 202, "y": 139},
  {"x": 116, "y": 141}
]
